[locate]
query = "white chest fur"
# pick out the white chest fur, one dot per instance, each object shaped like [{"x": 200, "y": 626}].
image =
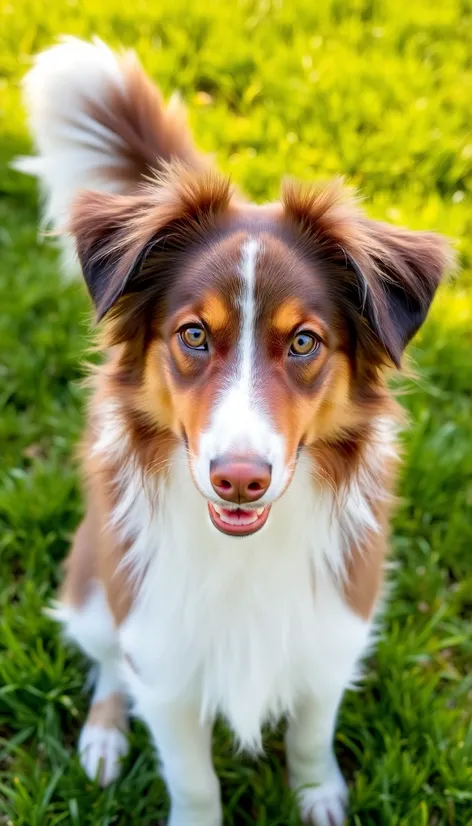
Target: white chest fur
[{"x": 245, "y": 627}]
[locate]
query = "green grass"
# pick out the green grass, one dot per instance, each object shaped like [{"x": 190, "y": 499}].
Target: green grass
[{"x": 381, "y": 92}]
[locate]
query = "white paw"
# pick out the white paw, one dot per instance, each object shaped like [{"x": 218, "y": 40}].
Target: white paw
[
  {"x": 101, "y": 751},
  {"x": 324, "y": 805}
]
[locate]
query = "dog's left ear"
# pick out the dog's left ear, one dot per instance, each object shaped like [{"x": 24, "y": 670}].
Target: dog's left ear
[
  {"x": 382, "y": 277},
  {"x": 398, "y": 272}
]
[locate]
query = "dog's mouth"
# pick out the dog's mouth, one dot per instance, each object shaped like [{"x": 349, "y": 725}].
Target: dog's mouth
[{"x": 238, "y": 521}]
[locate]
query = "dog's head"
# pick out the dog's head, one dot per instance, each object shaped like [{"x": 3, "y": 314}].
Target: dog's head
[{"x": 251, "y": 332}]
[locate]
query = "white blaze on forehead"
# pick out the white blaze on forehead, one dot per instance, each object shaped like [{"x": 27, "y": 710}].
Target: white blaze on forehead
[
  {"x": 240, "y": 421},
  {"x": 248, "y": 312},
  {"x": 237, "y": 420}
]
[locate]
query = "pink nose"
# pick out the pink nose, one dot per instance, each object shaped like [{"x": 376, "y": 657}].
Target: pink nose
[{"x": 240, "y": 479}]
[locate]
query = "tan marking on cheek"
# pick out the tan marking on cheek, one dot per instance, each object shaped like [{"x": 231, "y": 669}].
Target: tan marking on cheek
[
  {"x": 162, "y": 400},
  {"x": 301, "y": 414},
  {"x": 154, "y": 397},
  {"x": 214, "y": 313},
  {"x": 192, "y": 408},
  {"x": 333, "y": 410},
  {"x": 109, "y": 713},
  {"x": 312, "y": 417},
  {"x": 287, "y": 413}
]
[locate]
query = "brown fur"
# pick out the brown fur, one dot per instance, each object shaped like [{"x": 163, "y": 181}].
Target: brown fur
[
  {"x": 97, "y": 553},
  {"x": 366, "y": 560},
  {"x": 81, "y": 564},
  {"x": 103, "y": 553},
  {"x": 167, "y": 254},
  {"x": 365, "y": 574},
  {"x": 151, "y": 133}
]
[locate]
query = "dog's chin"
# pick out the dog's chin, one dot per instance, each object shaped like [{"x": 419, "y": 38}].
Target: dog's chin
[{"x": 238, "y": 521}]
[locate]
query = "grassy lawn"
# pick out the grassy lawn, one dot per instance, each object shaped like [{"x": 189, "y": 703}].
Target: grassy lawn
[{"x": 377, "y": 91}]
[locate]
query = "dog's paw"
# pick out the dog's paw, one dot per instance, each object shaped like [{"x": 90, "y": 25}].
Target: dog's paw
[
  {"x": 324, "y": 805},
  {"x": 101, "y": 751}
]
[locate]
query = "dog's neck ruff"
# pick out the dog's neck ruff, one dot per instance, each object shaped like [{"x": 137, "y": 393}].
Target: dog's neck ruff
[{"x": 241, "y": 625}]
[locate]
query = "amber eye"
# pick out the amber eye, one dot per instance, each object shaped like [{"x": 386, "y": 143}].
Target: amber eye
[
  {"x": 304, "y": 344},
  {"x": 194, "y": 337}
]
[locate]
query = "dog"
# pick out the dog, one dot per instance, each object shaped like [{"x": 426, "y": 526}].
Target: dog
[{"x": 241, "y": 448}]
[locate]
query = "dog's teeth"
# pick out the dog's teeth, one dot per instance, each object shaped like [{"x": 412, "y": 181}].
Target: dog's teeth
[{"x": 239, "y": 516}]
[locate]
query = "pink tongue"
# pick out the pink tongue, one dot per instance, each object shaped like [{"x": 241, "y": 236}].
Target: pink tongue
[{"x": 236, "y": 515}]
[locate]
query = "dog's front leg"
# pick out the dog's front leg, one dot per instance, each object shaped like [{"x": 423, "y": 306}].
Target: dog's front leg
[
  {"x": 184, "y": 746},
  {"x": 314, "y": 772}
]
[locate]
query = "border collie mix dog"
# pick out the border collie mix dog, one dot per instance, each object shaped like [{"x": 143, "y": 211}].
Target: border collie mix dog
[{"x": 241, "y": 445}]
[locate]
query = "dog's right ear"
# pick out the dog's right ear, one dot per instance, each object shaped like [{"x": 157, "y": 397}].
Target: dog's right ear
[
  {"x": 127, "y": 244},
  {"x": 110, "y": 257}
]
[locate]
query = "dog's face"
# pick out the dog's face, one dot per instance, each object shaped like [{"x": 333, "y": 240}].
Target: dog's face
[
  {"x": 250, "y": 351},
  {"x": 252, "y": 332}
]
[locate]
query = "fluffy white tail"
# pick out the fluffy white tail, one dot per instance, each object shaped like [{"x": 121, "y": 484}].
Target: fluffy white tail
[{"x": 98, "y": 123}]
